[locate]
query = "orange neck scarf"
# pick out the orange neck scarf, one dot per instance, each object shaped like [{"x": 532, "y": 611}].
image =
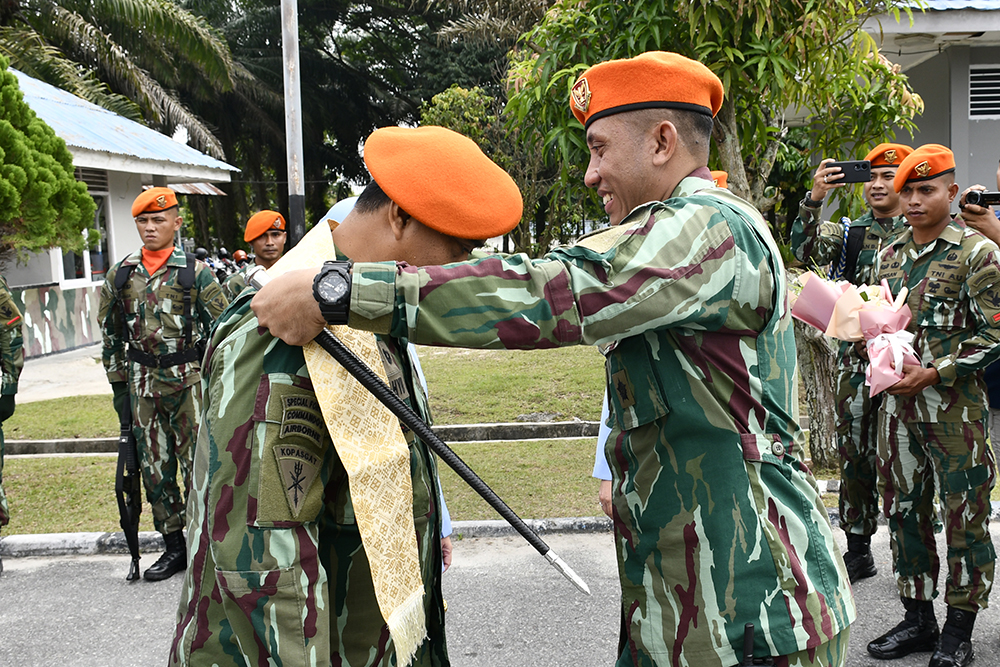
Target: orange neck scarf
[{"x": 154, "y": 259}]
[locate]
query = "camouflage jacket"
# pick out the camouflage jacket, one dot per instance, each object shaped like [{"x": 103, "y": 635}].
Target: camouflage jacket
[
  {"x": 954, "y": 295},
  {"x": 11, "y": 340},
  {"x": 717, "y": 521},
  {"x": 822, "y": 242},
  {"x": 235, "y": 283},
  {"x": 281, "y": 579},
  {"x": 153, "y": 307}
]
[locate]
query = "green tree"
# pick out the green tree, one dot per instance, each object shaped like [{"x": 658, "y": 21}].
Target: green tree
[
  {"x": 41, "y": 204},
  {"x": 133, "y": 57},
  {"x": 771, "y": 55}
]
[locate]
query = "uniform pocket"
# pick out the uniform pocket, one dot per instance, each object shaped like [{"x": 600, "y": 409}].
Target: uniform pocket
[
  {"x": 634, "y": 391},
  {"x": 291, "y": 440}
]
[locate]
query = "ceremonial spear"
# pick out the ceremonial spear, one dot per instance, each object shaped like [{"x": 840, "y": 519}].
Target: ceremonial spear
[{"x": 369, "y": 380}]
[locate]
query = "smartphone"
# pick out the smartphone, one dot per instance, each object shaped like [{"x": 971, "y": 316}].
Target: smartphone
[{"x": 854, "y": 171}]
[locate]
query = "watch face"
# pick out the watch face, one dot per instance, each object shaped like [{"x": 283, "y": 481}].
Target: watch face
[{"x": 331, "y": 288}]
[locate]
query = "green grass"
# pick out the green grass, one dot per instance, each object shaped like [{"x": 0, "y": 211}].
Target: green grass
[
  {"x": 473, "y": 386},
  {"x": 63, "y": 494},
  {"x": 73, "y": 417}
]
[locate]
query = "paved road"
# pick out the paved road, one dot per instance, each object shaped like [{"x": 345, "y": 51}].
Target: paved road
[{"x": 506, "y": 606}]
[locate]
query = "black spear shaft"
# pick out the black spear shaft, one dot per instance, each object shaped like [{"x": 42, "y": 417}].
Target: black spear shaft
[{"x": 373, "y": 383}]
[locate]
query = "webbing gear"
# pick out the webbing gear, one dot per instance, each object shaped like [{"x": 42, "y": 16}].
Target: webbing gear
[{"x": 185, "y": 277}]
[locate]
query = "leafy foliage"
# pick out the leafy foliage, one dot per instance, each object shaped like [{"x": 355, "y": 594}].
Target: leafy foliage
[
  {"x": 41, "y": 203},
  {"x": 770, "y": 55}
]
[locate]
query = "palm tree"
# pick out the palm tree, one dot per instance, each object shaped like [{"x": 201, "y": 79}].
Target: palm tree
[{"x": 130, "y": 56}]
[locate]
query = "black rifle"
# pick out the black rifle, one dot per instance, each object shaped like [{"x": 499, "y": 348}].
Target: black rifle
[
  {"x": 128, "y": 488},
  {"x": 128, "y": 485}
]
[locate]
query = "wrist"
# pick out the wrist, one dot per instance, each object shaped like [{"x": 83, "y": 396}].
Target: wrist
[
  {"x": 809, "y": 202},
  {"x": 332, "y": 291}
]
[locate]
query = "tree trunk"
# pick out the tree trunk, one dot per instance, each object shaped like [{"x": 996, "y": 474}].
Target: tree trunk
[{"x": 818, "y": 368}]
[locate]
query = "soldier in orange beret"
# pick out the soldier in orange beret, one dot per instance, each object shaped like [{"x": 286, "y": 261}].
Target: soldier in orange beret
[
  {"x": 932, "y": 433},
  {"x": 266, "y": 235},
  {"x": 169, "y": 301},
  {"x": 718, "y": 524},
  {"x": 850, "y": 248},
  {"x": 303, "y": 592}
]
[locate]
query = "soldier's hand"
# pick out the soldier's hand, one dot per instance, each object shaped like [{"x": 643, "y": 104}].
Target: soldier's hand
[
  {"x": 861, "y": 349},
  {"x": 604, "y": 496},
  {"x": 825, "y": 179},
  {"x": 980, "y": 218},
  {"x": 446, "y": 550},
  {"x": 286, "y": 307},
  {"x": 915, "y": 380}
]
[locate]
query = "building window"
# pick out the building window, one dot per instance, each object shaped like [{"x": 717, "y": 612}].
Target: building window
[
  {"x": 984, "y": 91},
  {"x": 92, "y": 264}
]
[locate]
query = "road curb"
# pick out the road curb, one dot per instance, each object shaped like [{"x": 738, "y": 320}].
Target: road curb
[{"x": 451, "y": 433}]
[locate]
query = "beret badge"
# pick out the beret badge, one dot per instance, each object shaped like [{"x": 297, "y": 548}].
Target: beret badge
[
  {"x": 890, "y": 156},
  {"x": 923, "y": 169},
  {"x": 277, "y": 223},
  {"x": 581, "y": 95},
  {"x": 161, "y": 201}
]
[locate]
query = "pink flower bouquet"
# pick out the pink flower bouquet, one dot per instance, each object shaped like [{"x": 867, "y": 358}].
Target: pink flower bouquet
[{"x": 867, "y": 313}]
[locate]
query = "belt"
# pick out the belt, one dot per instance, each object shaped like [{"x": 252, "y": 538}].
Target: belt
[{"x": 164, "y": 360}]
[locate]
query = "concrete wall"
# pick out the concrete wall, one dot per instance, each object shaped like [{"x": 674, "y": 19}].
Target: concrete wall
[{"x": 943, "y": 83}]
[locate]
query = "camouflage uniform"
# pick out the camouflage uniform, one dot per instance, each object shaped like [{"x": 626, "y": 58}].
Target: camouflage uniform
[
  {"x": 11, "y": 362},
  {"x": 717, "y": 521},
  {"x": 166, "y": 402},
  {"x": 939, "y": 435},
  {"x": 857, "y": 412},
  {"x": 275, "y": 578},
  {"x": 235, "y": 283}
]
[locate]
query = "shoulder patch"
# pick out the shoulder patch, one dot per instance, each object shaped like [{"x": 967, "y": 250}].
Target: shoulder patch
[
  {"x": 298, "y": 469},
  {"x": 301, "y": 415},
  {"x": 985, "y": 277}
]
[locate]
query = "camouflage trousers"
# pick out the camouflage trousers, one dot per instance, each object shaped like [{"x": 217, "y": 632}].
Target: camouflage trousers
[
  {"x": 165, "y": 428},
  {"x": 857, "y": 444},
  {"x": 915, "y": 459}
]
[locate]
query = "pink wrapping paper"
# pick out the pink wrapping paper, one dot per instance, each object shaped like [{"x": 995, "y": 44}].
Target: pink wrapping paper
[
  {"x": 887, "y": 353},
  {"x": 816, "y": 301},
  {"x": 839, "y": 310}
]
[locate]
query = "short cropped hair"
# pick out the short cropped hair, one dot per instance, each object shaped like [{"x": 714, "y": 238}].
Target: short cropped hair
[
  {"x": 694, "y": 130},
  {"x": 371, "y": 199}
]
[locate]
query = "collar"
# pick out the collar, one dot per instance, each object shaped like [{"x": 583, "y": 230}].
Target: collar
[{"x": 953, "y": 234}]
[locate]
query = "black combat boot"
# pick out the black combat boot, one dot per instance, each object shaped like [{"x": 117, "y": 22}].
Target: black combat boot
[
  {"x": 954, "y": 649},
  {"x": 173, "y": 560},
  {"x": 917, "y": 632},
  {"x": 859, "y": 559}
]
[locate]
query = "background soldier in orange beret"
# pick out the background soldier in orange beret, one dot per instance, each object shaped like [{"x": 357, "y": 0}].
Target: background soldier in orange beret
[
  {"x": 159, "y": 361},
  {"x": 266, "y": 235},
  {"x": 850, "y": 247},
  {"x": 932, "y": 431}
]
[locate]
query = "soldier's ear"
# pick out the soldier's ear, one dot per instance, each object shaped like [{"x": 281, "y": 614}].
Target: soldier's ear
[
  {"x": 397, "y": 219},
  {"x": 664, "y": 135}
]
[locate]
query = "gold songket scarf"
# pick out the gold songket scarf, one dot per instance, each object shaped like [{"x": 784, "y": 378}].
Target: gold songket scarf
[{"x": 371, "y": 445}]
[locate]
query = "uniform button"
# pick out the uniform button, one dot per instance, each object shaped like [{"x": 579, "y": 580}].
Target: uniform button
[{"x": 778, "y": 449}]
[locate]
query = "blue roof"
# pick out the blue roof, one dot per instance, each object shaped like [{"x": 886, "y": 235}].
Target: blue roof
[
  {"x": 84, "y": 125},
  {"x": 942, "y": 5}
]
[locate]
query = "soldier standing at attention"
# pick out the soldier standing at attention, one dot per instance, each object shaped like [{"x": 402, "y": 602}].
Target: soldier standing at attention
[
  {"x": 279, "y": 572},
  {"x": 11, "y": 363},
  {"x": 169, "y": 302},
  {"x": 718, "y": 524},
  {"x": 266, "y": 235},
  {"x": 932, "y": 427},
  {"x": 851, "y": 249}
]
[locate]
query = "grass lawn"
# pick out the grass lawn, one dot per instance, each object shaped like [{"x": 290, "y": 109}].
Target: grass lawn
[{"x": 65, "y": 494}]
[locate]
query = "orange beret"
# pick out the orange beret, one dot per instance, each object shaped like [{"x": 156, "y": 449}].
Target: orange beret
[
  {"x": 927, "y": 162},
  {"x": 263, "y": 222},
  {"x": 653, "y": 80},
  {"x": 720, "y": 178},
  {"x": 443, "y": 180},
  {"x": 888, "y": 155},
  {"x": 154, "y": 199}
]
